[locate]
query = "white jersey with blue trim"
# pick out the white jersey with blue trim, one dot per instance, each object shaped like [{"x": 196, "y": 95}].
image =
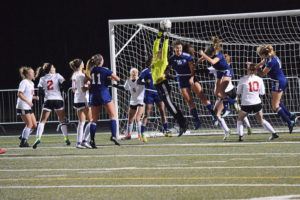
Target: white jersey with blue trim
[
  {"x": 50, "y": 83},
  {"x": 27, "y": 88},
  {"x": 137, "y": 92},
  {"x": 213, "y": 71},
  {"x": 77, "y": 83}
]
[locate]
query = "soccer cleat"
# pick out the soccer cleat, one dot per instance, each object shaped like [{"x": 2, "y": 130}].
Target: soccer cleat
[
  {"x": 144, "y": 138},
  {"x": 36, "y": 143},
  {"x": 86, "y": 145},
  {"x": 93, "y": 144},
  {"x": 226, "y": 113},
  {"x": 139, "y": 137},
  {"x": 114, "y": 139},
  {"x": 274, "y": 136},
  {"x": 291, "y": 127},
  {"x": 167, "y": 133},
  {"x": 2, "y": 151},
  {"x": 249, "y": 130},
  {"x": 182, "y": 130},
  {"x": 127, "y": 137},
  {"x": 79, "y": 146},
  {"x": 292, "y": 117},
  {"x": 197, "y": 124},
  {"x": 24, "y": 143},
  {"x": 227, "y": 134},
  {"x": 67, "y": 141},
  {"x": 20, "y": 137},
  {"x": 241, "y": 139}
]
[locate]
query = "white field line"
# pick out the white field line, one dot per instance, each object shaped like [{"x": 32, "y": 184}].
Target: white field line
[
  {"x": 166, "y": 145},
  {"x": 6, "y": 156},
  {"x": 148, "y": 186},
  {"x": 53, "y": 175},
  {"x": 286, "y": 197},
  {"x": 150, "y": 168}
]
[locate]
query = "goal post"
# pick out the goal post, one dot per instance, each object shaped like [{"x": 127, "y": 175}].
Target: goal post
[{"x": 131, "y": 42}]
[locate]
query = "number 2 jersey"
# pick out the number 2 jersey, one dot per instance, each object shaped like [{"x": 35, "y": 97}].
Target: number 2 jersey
[
  {"x": 50, "y": 83},
  {"x": 27, "y": 88},
  {"x": 250, "y": 87},
  {"x": 77, "y": 84}
]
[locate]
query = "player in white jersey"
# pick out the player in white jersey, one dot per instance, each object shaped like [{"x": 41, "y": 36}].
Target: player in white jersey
[
  {"x": 250, "y": 87},
  {"x": 24, "y": 103},
  {"x": 136, "y": 108},
  {"x": 50, "y": 84},
  {"x": 81, "y": 100}
]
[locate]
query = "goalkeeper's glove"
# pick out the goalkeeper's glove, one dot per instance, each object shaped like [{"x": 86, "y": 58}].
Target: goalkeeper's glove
[{"x": 160, "y": 33}]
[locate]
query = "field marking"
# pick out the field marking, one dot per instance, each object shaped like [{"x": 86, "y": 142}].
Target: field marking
[
  {"x": 52, "y": 175},
  {"x": 150, "y": 168},
  {"x": 148, "y": 186},
  {"x": 286, "y": 197},
  {"x": 6, "y": 156}
]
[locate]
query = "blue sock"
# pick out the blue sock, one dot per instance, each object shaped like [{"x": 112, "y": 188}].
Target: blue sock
[
  {"x": 194, "y": 114},
  {"x": 78, "y": 143},
  {"x": 93, "y": 130},
  {"x": 230, "y": 100},
  {"x": 282, "y": 114},
  {"x": 165, "y": 126},
  {"x": 143, "y": 128},
  {"x": 113, "y": 127},
  {"x": 285, "y": 110},
  {"x": 211, "y": 110}
]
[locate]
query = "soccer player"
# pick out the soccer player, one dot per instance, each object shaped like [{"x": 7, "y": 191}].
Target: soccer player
[
  {"x": 151, "y": 97},
  {"x": 136, "y": 105},
  {"x": 250, "y": 87},
  {"x": 24, "y": 103},
  {"x": 158, "y": 69},
  {"x": 99, "y": 95},
  {"x": 273, "y": 69},
  {"x": 49, "y": 86},
  {"x": 81, "y": 99}
]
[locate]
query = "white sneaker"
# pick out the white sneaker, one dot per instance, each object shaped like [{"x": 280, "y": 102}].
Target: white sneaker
[
  {"x": 86, "y": 145},
  {"x": 79, "y": 146},
  {"x": 227, "y": 134}
]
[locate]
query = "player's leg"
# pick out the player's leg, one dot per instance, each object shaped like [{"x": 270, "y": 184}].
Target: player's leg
[
  {"x": 218, "y": 109},
  {"x": 27, "y": 130},
  {"x": 266, "y": 125},
  {"x": 146, "y": 115},
  {"x": 110, "y": 109},
  {"x": 40, "y": 129},
  {"x": 63, "y": 124},
  {"x": 246, "y": 120},
  {"x": 95, "y": 110},
  {"x": 162, "y": 111},
  {"x": 131, "y": 114},
  {"x": 81, "y": 121},
  {"x": 139, "y": 113},
  {"x": 88, "y": 113},
  {"x": 239, "y": 124}
]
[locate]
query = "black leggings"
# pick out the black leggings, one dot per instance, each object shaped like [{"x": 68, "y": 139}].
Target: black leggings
[{"x": 163, "y": 90}]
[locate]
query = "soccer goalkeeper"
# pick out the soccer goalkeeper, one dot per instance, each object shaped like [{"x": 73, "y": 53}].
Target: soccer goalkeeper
[{"x": 158, "y": 68}]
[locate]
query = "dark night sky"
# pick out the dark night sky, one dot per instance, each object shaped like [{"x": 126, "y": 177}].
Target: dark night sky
[{"x": 33, "y": 32}]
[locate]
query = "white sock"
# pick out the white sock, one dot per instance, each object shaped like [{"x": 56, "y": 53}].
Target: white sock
[
  {"x": 64, "y": 130},
  {"x": 23, "y": 132},
  {"x": 40, "y": 130},
  {"x": 240, "y": 127},
  {"x": 129, "y": 128},
  {"x": 87, "y": 131},
  {"x": 246, "y": 120},
  {"x": 26, "y": 133},
  {"x": 80, "y": 131},
  {"x": 267, "y": 126},
  {"x": 223, "y": 125},
  {"x": 139, "y": 127}
]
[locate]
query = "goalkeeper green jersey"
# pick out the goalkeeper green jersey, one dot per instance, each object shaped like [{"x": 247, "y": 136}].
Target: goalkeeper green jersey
[{"x": 159, "y": 66}]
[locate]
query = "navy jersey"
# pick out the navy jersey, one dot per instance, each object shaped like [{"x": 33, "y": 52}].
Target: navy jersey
[
  {"x": 99, "y": 79},
  {"x": 222, "y": 64},
  {"x": 147, "y": 75},
  {"x": 180, "y": 64},
  {"x": 275, "y": 72}
]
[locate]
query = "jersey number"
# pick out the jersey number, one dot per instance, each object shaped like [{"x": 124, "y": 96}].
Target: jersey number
[
  {"x": 253, "y": 86},
  {"x": 50, "y": 85},
  {"x": 99, "y": 80}
]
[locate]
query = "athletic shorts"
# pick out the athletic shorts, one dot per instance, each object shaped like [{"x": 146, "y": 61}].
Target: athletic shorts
[
  {"x": 152, "y": 97},
  {"x": 279, "y": 85},
  {"x": 50, "y": 105},
  {"x": 252, "y": 108},
  {"x": 80, "y": 106},
  {"x": 232, "y": 93},
  {"x": 23, "y": 112},
  {"x": 134, "y": 107},
  {"x": 102, "y": 98},
  {"x": 183, "y": 81},
  {"x": 224, "y": 73}
]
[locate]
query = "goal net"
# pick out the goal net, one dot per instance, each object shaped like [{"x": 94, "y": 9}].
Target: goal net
[{"x": 131, "y": 42}]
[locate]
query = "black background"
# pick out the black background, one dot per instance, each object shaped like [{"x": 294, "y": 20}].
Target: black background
[{"x": 33, "y": 32}]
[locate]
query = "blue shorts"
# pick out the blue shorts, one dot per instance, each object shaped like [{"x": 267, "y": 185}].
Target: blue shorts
[
  {"x": 102, "y": 98},
  {"x": 224, "y": 73},
  {"x": 279, "y": 85},
  {"x": 151, "y": 97},
  {"x": 183, "y": 81}
]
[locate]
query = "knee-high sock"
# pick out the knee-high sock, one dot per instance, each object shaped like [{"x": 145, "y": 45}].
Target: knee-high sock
[
  {"x": 64, "y": 130},
  {"x": 40, "y": 130},
  {"x": 223, "y": 124},
  {"x": 87, "y": 131},
  {"x": 240, "y": 128},
  {"x": 283, "y": 115},
  {"x": 113, "y": 127},
  {"x": 165, "y": 125},
  {"x": 287, "y": 112},
  {"x": 129, "y": 128},
  {"x": 80, "y": 132},
  {"x": 267, "y": 126},
  {"x": 139, "y": 127},
  {"x": 194, "y": 114},
  {"x": 211, "y": 110},
  {"x": 246, "y": 120},
  {"x": 93, "y": 127},
  {"x": 26, "y": 132},
  {"x": 143, "y": 128}
]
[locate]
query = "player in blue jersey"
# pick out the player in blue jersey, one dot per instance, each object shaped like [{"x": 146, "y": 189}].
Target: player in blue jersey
[
  {"x": 151, "y": 97},
  {"x": 99, "y": 95},
  {"x": 183, "y": 64},
  {"x": 214, "y": 56},
  {"x": 274, "y": 71}
]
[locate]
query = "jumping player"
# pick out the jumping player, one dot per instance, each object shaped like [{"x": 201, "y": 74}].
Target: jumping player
[
  {"x": 81, "y": 99},
  {"x": 50, "y": 83},
  {"x": 24, "y": 103},
  {"x": 99, "y": 95},
  {"x": 250, "y": 87}
]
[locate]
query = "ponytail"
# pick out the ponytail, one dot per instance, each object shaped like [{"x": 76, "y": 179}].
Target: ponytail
[
  {"x": 212, "y": 49},
  {"x": 41, "y": 71},
  {"x": 24, "y": 71},
  {"x": 93, "y": 61},
  {"x": 266, "y": 50}
]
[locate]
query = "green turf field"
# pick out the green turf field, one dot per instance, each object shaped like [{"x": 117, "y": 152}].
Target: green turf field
[{"x": 189, "y": 167}]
